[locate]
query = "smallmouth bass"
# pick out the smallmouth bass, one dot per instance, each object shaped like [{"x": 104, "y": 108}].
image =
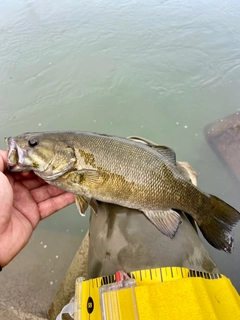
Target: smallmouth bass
[{"x": 97, "y": 167}]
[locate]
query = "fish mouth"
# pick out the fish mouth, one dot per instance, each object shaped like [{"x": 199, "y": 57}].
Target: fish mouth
[{"x": 15, "y": 155}]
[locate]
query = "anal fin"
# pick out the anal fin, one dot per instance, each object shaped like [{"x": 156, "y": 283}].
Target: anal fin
[{"x": 167, "y": 221}]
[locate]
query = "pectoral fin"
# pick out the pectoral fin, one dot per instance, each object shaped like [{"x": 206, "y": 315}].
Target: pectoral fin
[
  {"x": 82, "y": 204},
  {"x": 167, "y": 221},
  {"x": 85, "y": 177}
]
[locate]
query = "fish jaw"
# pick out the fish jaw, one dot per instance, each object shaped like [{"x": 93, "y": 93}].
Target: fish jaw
[{"x": 15, "y": 156}]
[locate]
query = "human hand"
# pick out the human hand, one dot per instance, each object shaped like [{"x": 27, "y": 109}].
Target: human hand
[{"x": 25, "y": 199}]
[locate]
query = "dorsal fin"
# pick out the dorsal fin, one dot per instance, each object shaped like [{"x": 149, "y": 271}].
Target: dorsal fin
[{"x": 166, "y": 152}]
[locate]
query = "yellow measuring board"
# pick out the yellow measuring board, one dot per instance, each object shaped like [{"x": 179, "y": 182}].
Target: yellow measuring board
[{"x": 161, "y": 293}]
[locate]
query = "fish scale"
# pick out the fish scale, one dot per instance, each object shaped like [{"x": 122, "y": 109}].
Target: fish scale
[{"x": 137, "y": 160}]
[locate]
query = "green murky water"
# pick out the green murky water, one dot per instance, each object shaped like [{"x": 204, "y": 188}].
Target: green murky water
[{"x": 158, "y": 69}]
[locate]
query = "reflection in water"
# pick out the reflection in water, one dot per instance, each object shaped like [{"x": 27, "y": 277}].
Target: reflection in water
[{"x": 158, "y": 69}]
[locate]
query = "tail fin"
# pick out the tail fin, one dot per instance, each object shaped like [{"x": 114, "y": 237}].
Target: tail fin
[{"x": 217, "y": 226}]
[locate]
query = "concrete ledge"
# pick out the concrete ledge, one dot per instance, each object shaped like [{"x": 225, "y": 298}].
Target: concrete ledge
[
  {"x": 12, "y": 314},
  {"x": 30, "y": 282},
  {"x": 78, "y": 268}
]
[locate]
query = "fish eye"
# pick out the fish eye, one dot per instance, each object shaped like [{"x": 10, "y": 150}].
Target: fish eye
[{"x": 32, "y": 142}]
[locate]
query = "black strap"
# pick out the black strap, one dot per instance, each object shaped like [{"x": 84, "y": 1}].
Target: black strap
[{"x": 0, "y": 268}]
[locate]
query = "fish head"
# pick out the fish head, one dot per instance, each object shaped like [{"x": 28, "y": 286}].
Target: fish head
[{"x": 46, "y": 154}]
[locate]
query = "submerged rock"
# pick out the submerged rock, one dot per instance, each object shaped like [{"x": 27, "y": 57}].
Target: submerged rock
[{"x": 223, "y": 137}]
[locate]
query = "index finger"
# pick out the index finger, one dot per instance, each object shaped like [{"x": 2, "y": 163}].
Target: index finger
[{"x": 3, "y": 160}]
